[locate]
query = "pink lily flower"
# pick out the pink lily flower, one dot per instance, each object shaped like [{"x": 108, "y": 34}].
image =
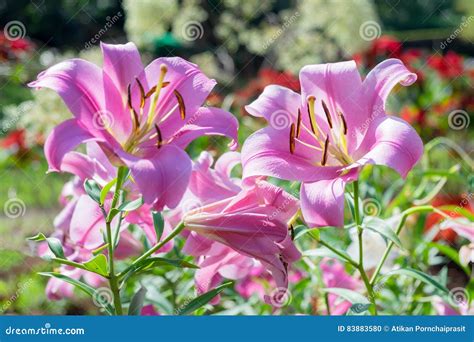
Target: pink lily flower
[
  {"x": 253, "y": 223},
  {"x": 334, "y": 275},
  {"x": 323, "y": 136},
  {"x": 212, "y": 208},
  {"x": 141, "y": 117}
]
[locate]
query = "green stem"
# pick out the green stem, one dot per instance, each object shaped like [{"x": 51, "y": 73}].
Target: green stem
[
  {"x": 335, "y": 251},
  {"x": 113, "y": 279},
  {"x": 112, "y": 276},
  {"x": 405, "y": 214},
  {"x": 363, "y": 274},
  {"x": 152, "y": 250}
]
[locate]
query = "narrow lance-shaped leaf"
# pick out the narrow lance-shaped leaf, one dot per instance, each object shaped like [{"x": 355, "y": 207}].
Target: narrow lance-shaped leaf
[
  {"x": 202, "y": 300},
  {"x": 92, "y": 189},
  {"x": 158, "y": 223},
  {"x": 381, "y": 227},
  {"x": 79, "y": 285},
  {"x": 136, "y": 303},
  {"x": 53, "y": 243},
  {"x": 97, "y": 264},
  {"x": 105, "y": 190}
]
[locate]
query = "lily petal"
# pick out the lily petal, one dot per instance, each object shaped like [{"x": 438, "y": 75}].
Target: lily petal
[
  {"x": 339, "y": 85},
  {"x": 208, "y": 121},
  {"x": 80, "y": 84},
  {"x": 322, "y": 202},
  {"x": 64, "y": 138},
  {"x": 391, "y": 142},
  {"x": 382, "y": 79},
  {"x": 163, "y": 178},
  {"x": 266, "y": 153}
]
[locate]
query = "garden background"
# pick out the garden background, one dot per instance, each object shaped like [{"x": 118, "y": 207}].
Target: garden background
[{"x": 244, "y": 45}]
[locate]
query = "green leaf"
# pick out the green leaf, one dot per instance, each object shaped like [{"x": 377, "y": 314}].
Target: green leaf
[
  {"x": 92, "y": 189},
  {"x": 457, "y": 209},
  {"x": 78, "y": 284},
  {"x": 349, "y": 295},
  {"x": 153, "y": 262},
  {"x": 53, "y": 243},
  {"x": 105, "y": 190},
  {"x": 136, "y": 303},
  {"x": 132, "y": 205},
  {"x": 202, "y": 300},
  {"x": 97, "y": 264},
  {"x": 381, "y": 227},
  {"x": 325, "y": 252},
  {"x": 158, "y": 223},
  {"x": 426, "y": 278}
]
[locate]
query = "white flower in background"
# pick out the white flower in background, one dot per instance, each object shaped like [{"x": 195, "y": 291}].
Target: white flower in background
[
  {"x": 148, "y": 19},
  {"x": 466, "y": 254}
]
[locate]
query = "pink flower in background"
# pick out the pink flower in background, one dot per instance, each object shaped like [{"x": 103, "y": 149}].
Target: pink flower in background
[
  {"x": 325, "y": 135},
  {"x": 141, "y": 117},
  {"x": 334, "y": 275}
]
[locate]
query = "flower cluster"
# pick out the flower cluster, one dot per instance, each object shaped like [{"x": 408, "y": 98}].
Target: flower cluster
[{"x": 136, "y": 189}]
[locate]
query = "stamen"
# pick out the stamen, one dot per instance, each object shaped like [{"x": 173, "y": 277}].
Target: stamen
[
  {"x": 328, "y": 115},
  {"x": 134, "y": 114},
  {"x": 182, "y": 107},
  {"x": 151, "y": 113},
  {"x": 312, "y": 117},
  {"x": 325, "y": 151},
  {"x": 298, "y": 124},
  {"x": 292, "y": 138},
  {"x": 142, "y": 93},
  {"x": 343, "y": 120},
  {"x": 153, "y": 89},
  {"x": 159, "y": 137}
]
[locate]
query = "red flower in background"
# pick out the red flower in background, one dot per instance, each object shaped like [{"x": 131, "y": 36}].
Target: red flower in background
[
  {"x": 447, "y": 235},
  {"x": 448, "y": 66},
  {"x": 14, "y": 49},
  {"x": 14, "y": 140}
]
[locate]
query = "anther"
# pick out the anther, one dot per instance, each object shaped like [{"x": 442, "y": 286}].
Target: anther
[
  {"x": 298, "y": 124},
  {"x": 344, "y": 123},
  {"x": 292, "y": 138},
  {"x": 325, "y": 151},
  {"x": 142, "y": 93},
  {"x": 153, "y": 89},
  {"x": 312, "y": 117},
  {"x": 182, "y": 107},
  {"x": 132, "y": 110},
  {"x": 159, "y": 137},
  {"x": 328, "y": 115}
]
